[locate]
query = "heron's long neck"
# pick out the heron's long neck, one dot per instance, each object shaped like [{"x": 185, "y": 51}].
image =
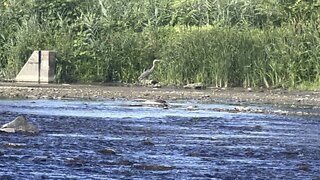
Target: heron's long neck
[{"x": 153, "y": 65}]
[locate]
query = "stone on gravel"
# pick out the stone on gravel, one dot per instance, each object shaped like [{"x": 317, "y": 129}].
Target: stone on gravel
[
  {"x": 20, "y": 124},
  {"x": 149, "y": 82},
  {"x": 194, "y": 86}
]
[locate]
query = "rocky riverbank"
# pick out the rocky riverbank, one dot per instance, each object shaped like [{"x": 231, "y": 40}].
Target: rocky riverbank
[
  {"x": 240, "y": 96},
  {"x": 287, "y": 102}
]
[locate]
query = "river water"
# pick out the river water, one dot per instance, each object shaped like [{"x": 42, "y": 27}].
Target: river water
[{"x": 121, "y": 140}]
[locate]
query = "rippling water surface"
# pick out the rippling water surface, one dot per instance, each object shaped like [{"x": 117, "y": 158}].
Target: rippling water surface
[{"x": 156, "y": 143}]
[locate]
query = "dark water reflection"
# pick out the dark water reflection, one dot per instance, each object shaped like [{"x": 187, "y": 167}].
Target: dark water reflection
[{"x": 155, "y": 143}]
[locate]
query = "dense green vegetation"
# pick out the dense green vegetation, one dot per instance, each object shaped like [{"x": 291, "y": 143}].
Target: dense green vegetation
[{"x": 250, "y": 43}]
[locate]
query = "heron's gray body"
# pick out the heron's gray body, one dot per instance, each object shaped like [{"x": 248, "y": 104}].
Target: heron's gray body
[{"x": 146, "y": 73}]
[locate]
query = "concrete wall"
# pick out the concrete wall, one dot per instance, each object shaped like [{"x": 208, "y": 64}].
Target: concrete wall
[{"x": 40, "y": 68}]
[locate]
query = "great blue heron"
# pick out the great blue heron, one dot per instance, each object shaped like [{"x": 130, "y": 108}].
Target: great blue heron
[{"x": 147, "y": 72}]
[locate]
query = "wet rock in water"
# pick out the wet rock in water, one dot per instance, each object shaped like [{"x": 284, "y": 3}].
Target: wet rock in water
[
  {"x": 7, "y": 130},
  {"x": 75, "y": 161},
  {"x": 194, "y": 86},
  {"x": 192, "y": 108},
  {"x": 40, "y": 159},
  {"x": 107, "y": 151},
  {"x": 118, "y": 163},
  {"x": 242, "y": 109},
  {"x": 195, "y": 154},
  {"x": 20, "y": 124},
  {"x": 154, "y": 167},
  {"x": 257, "y": 127},
  {"x": 291, "y": 153},
  {"x": 156, "y": 103},
  {"x": 148, "y": 142},
  {"x": 249, "y": 152},
  {"x": 15, "y": 145},
  {"x": 281, "y": 112},
  {"x": 304, "y": 167},
  {"x": 125, "y": 163}
]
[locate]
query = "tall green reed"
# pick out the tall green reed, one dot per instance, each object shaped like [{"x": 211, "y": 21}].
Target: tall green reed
[
  {"x": 239, "y": 57},
  {"x": 219, "y": 43}
]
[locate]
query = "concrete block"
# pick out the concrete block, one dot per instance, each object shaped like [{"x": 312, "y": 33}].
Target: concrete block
[{"x": 40, "y": 68}]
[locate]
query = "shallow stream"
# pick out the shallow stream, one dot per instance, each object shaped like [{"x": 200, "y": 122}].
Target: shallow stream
[{"x": 122, "y": 140}]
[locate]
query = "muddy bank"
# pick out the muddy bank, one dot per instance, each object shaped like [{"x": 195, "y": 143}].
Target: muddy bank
[
  {"x": 289, "y": 102},
  {"x": 277, "y": 97}
]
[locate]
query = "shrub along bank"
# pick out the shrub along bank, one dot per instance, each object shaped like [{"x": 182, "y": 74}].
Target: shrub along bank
[{"x": 219, "y": 43}]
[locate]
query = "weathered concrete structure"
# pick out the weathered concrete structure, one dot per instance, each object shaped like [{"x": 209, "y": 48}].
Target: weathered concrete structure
[{"x": 39, "y": 68}]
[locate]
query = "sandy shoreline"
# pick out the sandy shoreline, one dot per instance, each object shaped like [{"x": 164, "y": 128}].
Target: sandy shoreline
[{"x": 102, "y": 92}]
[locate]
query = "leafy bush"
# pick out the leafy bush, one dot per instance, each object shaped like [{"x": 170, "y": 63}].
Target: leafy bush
[{"x": 219, "y": 43}]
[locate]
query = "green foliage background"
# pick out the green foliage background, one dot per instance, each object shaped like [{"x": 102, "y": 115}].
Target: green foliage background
[{"x": 249, "y": 43}]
